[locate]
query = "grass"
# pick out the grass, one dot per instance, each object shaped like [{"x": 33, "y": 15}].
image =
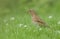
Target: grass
[
  {"x": 20, "y": 27},
  {"x": 15, "y": 23}
]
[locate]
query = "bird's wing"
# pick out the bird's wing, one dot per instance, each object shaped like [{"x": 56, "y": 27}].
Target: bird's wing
[{"x": 39, "y": 20}]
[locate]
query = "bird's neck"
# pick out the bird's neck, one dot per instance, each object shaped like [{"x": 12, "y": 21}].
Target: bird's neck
[{"x": 33, "y": 13}]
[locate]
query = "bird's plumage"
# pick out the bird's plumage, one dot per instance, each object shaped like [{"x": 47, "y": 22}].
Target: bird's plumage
[{"x": 36, "y": 18}]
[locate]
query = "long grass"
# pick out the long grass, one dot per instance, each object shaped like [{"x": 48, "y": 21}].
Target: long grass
[{"x": 15, "y": 21}]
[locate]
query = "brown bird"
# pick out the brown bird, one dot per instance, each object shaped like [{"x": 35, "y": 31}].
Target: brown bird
[{"x": 36, "y": 19}]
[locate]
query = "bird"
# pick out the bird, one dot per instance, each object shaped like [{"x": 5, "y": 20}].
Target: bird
[{"x": 36, "y": 19}]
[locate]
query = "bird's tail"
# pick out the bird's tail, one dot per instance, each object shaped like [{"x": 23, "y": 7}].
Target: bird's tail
[{"x": 49, "y": 27}]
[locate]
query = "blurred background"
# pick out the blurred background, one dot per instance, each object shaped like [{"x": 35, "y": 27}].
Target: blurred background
[
  {"x": 21, "y": 6},
  {"x": 15, "y": 21}
]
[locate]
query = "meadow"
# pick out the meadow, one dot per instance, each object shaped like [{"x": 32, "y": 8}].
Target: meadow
[{"x": 15, "y": 20}]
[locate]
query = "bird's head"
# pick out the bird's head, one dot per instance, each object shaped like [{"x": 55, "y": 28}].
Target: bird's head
[{"x": 32, "y": 12}]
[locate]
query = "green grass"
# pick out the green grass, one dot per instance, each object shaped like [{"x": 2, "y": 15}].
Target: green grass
[
  {"x": 12, "y": 28},
  {"x": 15, "y": 21}
]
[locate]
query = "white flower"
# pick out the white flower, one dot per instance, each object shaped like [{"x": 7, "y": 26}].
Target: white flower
[
  {"x": 58, "y": 22},
  {"x": 12, "y": 18},
  {"x": 25, "y": 25},
  {"x": 40, "y": 28},
  {"x": 20, "y": 25},
  {"x": 58, "y": 31},
  {"x": 50, "y": 17}
]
